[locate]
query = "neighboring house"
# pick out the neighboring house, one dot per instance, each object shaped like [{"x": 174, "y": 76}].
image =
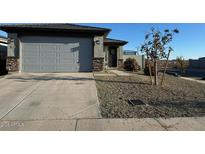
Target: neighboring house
[
  {"x": 133, "y": 54},
  {"x": 130, "y": 52},
  {"x": 199, "y": 63},
  {"x": 62, "y": 48}
]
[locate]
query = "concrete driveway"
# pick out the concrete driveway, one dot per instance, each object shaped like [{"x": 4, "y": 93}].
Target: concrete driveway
[{"x": 60, "y": 96}]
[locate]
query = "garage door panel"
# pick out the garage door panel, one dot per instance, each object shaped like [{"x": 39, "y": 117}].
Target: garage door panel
[
  {"x": 51, "y": 61},
  {"x": 56, "y": 54},
  {"x": 29, "y": 61},
  {"x": 47, "y": 68},
  {"x": 67, "y": 56},
  {"x": 34, "y": 68},
  {"x": 47, "y": 47},
  {"x": 67, "y": 63},
  {"x": 31, "y": 47},
  {"x": 65, "y": 68},
  {"x": 47, "y": 54},
  {"x": 31, "y": 53}
]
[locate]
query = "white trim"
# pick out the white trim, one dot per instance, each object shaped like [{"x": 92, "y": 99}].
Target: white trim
[{"x": 2, "y": 44}]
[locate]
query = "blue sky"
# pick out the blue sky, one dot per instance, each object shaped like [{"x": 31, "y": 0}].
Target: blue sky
[{"x": 189, "y": 43}]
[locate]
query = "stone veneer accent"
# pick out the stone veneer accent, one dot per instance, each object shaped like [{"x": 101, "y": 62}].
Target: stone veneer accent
[
  {"x": 120, "y": 64},
  {"x": 98, "y": 64},
  {"x": 12, "y": 64}
]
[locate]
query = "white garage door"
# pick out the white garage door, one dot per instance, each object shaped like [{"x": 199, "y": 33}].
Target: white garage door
[{"x": 56, "y": 54}]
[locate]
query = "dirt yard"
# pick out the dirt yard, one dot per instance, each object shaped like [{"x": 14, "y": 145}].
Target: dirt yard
[{"x": 177, "y": 98}]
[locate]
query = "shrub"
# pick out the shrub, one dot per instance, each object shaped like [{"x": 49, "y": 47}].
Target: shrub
[
  {"x": 131, "y": 64},
  {"x": 181, "y": 64}
]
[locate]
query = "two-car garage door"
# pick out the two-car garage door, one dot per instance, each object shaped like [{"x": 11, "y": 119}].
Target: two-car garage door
[{"x": 55, "y": 54}]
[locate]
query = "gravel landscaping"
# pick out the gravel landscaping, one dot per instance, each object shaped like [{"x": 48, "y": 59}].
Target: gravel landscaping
[{"x": 177, "y": 98}]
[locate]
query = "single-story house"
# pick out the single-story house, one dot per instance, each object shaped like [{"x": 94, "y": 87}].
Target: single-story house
[
  {"x": 197, "y": 63},
  {"x": 62, "y": 48}
]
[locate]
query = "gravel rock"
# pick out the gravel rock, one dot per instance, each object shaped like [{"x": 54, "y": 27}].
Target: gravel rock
[{"x": 177, "y": 98}]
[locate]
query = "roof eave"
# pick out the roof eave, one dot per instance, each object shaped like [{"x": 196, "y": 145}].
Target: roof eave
[
  {"x": 28, "y": 29},
  {"x": 116, "y": 43}
]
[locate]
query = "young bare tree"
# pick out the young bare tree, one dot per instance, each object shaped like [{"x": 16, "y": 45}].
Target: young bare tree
[
  {"x": 156, "y": 47},
  {"x": 182, "y": 63}
]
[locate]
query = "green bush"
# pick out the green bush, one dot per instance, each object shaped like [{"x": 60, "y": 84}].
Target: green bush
[{"x": 131, "y": 64}]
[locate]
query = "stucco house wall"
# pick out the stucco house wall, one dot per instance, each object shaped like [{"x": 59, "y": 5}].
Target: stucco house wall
[
  {"x": 139, "y": 58},
  {"x": 98, "y": 53},
  {"x": 120, "y": 52},
  {"x": 98, "y": 47},
  {"x": 12, "y": 63},
  {"x": 13, "y": 45},
  {"x": 106, "y": 48}
]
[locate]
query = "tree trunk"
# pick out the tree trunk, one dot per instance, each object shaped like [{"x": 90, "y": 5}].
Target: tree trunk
[
  {"x": 165, "y": 68},
  {"x": 155, "y": 73},
  {"x": 150, "y": 72}
]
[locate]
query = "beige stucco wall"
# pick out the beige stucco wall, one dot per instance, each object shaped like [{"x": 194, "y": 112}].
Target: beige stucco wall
[
  {"x": 106, "y": 48},
  {"x": 139, "y": 58},
  {"x": 13, "y": 45},
  {"x": 98, "y": 48},
  {"x": 120, "y": 52}
]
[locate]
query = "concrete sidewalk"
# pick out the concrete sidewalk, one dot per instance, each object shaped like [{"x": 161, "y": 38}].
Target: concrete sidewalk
[
  {"x": 146, "y": 124},
  {"x": 192, "y": 79}
]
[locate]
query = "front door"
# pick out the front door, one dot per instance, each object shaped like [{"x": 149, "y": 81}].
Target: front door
[{"x": 112, "y": 59}]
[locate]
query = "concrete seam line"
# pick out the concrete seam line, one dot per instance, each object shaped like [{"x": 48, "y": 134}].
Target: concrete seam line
[
  {"x": 75, "y": 114},
  {"x": 161, "y": 124},
  {"x": 22, "y": 99},
  {"x": 114, "y": 73},
  {"x": 98, "y": 102},
  {"x": 48, "y": 119},
  {"x": 76, "y": 124},
  {"x": 98, "y": 106},
  {"x": 42, "y": 120}
]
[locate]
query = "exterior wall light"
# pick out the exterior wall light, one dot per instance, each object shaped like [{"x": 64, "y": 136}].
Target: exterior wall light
[{"x": 97, "y": 42}]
